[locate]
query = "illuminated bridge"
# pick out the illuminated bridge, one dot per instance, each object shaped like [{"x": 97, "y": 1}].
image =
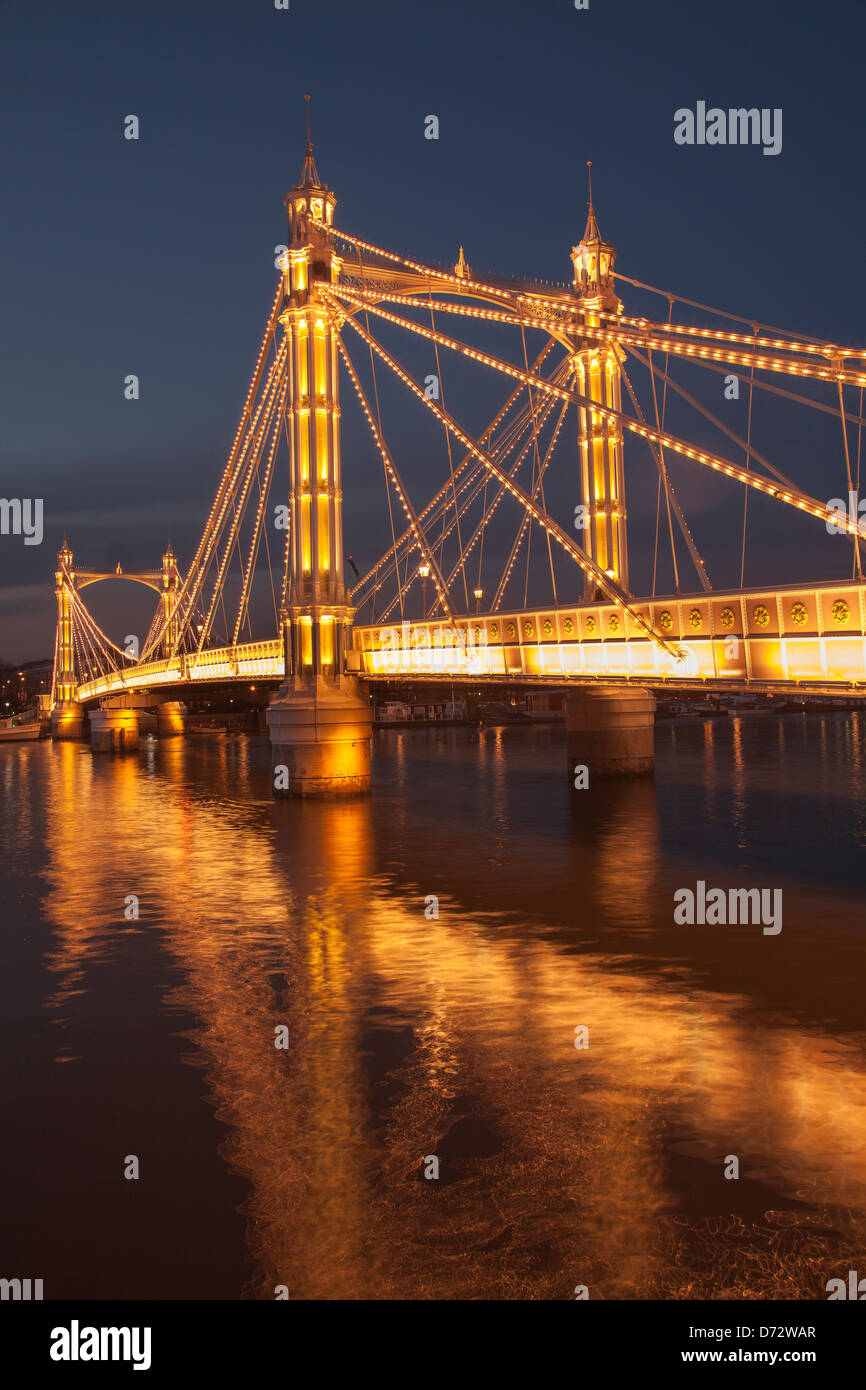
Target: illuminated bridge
[{"x": 489, "y": 578}]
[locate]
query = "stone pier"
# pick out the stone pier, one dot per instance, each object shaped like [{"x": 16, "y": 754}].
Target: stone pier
[
  {"x": 113, "y": 730},
  {"x": 320, "y": 738},
  {"x": 170, "y": 719},
  {"x": 67, "y": 720},
  {"x": 609, "y": 730}
]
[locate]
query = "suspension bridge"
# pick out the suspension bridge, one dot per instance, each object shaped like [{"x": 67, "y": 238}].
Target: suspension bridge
[{"x": 264, "y": 598}]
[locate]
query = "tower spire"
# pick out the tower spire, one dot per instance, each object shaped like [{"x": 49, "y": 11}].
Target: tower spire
[
  {"x": 309, "y": 174},
  {"x": 307, "y": 202},
  {"x": 593, "y": 260},
  {"x": 592, "y": 233}
]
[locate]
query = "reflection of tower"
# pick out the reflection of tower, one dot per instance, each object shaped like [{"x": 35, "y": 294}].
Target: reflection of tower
[
  {"x": 320, "y": 721},
  {"x": 597, "y": 374},
  {"x": 67, "y": 717},
  {"x": 615, "y": 836}
]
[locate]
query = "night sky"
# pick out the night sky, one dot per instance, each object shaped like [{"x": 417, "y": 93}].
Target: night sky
[{"x": 156, "y": 257}]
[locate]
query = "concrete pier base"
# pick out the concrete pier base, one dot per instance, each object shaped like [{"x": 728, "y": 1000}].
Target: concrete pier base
[
  {"x": 113, "y": 730},
  {"x": 320, "y": 738},
  {"x": 609, "y": 730},
  {"x": 67, "y": 720},
  {"x": 170, "y": 719}
]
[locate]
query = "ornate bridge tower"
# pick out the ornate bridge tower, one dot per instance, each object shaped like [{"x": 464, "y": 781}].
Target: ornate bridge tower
[
  {"x": 170, "y": 583},
  {"x": 597, "y": 374},
  {"x": 608, "y": 730},
  {"x": 67, "y": 716},
  {"x": 320, "y": 722}
]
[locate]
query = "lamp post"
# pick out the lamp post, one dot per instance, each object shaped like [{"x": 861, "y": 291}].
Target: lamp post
[
  {"x": 424, "y": 571},
  {"x": 479, "y": 593}
]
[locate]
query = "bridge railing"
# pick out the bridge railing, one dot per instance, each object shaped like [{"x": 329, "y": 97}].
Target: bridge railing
[{"x": 262, "y": 659}]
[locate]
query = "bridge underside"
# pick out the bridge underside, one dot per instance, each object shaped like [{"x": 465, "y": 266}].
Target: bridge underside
[{"x": 811, "y": 637}]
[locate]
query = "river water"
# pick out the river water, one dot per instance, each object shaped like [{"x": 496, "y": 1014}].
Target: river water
[{"x": 414, "y": 1037}]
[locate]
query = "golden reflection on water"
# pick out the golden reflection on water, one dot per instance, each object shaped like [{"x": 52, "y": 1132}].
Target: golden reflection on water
[{"x": 413, "y": 1036}]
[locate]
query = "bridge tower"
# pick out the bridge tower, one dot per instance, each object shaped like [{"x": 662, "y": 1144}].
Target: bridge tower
[
  {"x": 320, "y": 722},
  {"x": 609, "y": 730},
  {"x": 67, "y": 716},
  {"x": 168, "y": 597},
  {"x": 598, "y": 376}
]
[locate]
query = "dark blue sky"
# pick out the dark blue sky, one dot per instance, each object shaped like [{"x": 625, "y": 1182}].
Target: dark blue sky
[{"x": 156, "y": 256}]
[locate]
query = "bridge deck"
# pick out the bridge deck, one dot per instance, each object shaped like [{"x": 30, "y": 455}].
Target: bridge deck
[
  {"x": 799, "y": 636},
  {"x": 782, "y": 636}
]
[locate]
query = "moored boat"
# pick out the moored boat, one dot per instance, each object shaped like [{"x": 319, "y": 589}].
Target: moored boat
[{"x": 12, "y": 731}]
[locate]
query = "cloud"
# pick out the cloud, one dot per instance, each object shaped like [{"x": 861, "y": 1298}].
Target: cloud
[
  {"x": 26, "y": 595},
  {"x": 134, "y": 514}
]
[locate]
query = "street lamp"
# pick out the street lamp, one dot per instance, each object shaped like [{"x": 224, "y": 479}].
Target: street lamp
[
  {"x": 424, "y": 571},
  {"x": 479, "y": 593}
]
